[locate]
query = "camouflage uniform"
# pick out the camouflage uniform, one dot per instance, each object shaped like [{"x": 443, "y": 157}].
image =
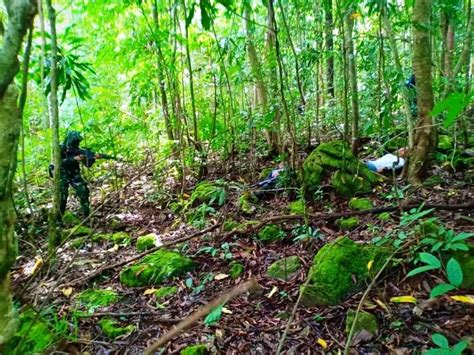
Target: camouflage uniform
[
  {"x": 71, "y": 173},
  {"x": 411, "y": 86}
]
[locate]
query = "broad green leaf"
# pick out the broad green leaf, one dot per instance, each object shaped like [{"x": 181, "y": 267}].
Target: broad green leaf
[
  {"x": 454, "y": 272},
  {"x": 462, "y": 236},
  {"x": 421, "y": 269},
  {"x": 430, "y": 259},
  {"x": 441, "y": 290},
  {"x": 459, "y": 347},
  {"x": 214, "y": 316},
  {"x": 440, "y": 340}
]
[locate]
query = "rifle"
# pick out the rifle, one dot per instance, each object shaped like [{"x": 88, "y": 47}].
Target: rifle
[{"x": 90, "y": 156}]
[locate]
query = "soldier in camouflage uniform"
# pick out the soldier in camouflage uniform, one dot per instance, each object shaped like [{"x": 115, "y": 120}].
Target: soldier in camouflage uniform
[{"x": 71, "y": 172}]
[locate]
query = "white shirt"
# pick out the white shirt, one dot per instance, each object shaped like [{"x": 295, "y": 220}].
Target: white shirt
[{"x": 388, "y": 161}]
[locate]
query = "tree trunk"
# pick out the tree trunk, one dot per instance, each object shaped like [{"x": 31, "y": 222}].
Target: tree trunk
[
  {"x": 351, "y": 60},
  {"x": 425, "y": 133},
  {"x": 329, "y": 48},
  {"x": 20, "y": 17},
  {"x": 54, "y": 238}
]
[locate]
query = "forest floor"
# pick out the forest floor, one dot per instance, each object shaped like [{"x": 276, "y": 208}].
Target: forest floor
[{"x": 252, "y": 323}]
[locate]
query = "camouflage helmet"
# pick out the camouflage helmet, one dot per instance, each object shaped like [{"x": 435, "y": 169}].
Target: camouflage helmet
[{"x": 73, "y": 139}]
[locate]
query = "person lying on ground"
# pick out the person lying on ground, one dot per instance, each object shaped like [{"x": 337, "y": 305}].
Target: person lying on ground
[{"x": 388, "y": 161}]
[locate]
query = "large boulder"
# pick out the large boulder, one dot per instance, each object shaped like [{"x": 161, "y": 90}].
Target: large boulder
[
  {"x": 339, "y": 269},
  {"x": 155, "y": 268},
  {"x": 334, "y": 161}
]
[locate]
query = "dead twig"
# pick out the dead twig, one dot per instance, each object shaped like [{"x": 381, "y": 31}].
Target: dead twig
[{"x": 225, "y": 297}]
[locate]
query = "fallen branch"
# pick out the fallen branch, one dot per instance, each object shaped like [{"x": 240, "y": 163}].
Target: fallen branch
[
  {"x": 225, "y": 297},
  {"x": 139, "y": 256},
  {"x": 132, "y": 314}
]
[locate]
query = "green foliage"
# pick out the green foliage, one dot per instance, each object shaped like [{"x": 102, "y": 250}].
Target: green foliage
[
  {"x": 304, "y": 233},
  {"x": 209, "y": 193},
  {"x": 444, "y": 240},
  {"x": 443, "y": 346},
  {"x": 360, "y": 204},
  {"x": 197, "y": 217},
  {"x": 214, "y": 316},
  {"x": 155, "y": 268},
  {"x": 454, "y": 104},
  {"x": 199, "y": 349},
  {"x": 224, "y": 251},
  {"x": 297, "y": 207},
  {"x": 111, "y": 330},
  {"x": 236, "y": 269}
]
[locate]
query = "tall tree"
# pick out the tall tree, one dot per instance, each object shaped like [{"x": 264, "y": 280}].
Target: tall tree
[
  {"x": 329, "y": 47},
  {"x": 20, "y": 16},
  {"x": 425, "y": 133}
]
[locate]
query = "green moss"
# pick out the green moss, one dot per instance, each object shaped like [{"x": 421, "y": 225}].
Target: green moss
[
  {"x": 146, "y": 242},
  {"x": 336, "y": 266},
  {"x": 208, "y": 193},
  {"x": 155, "y": 268},
  {"x": 77, "y": 243},
  {"x": 230, "y": 225},
  {"x": 348, "y": 185},
  {"x": 246, "y": 201},
  {"x": 120, "y": 238},
  {"x": 116, "y": 224},
  {"x": 426, "y": 228},
  {"x": 285, "y": 268},
  {"x": 384, "y": 216},
  {"x": 445, "y": 142},
  {"x": 334, "y": 160},
  {"x": 93, "y": 299},
  {"x": 466, "y": 260},
  {"x": 348, "y": 224},
  {"x": 199, "y": 349},
  {"x": 236, "y": 269},
  {"x": 76, "y": 232},
  {"x": 111, "y": 330},
  {"x": 270, "y": 233},
  {"x": 365, "y": 321},
  {"x": 360, "y": 204},
  {"x": 297, "y": 207},
  {"x": 32, "y": 337},
  {"x": 264, "y": 173},
  {"x": 70, "y": 219},
  {"x": 164, "y": 292}
]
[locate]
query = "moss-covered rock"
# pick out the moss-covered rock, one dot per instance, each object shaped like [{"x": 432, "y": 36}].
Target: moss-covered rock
[
  {"x": 297, "y": 207},
  {"x": 120, "y": 238},
  {"x": 231, "y": 225},
  {"x": 33, "y": 336},
  {"x": 336, "y": 266},
  {"x": 445, "y": 142},
  {"x": 360, "y": 204},
  {"x": 112, "y": 330},
  {"x": 155, "y": 268},
  {"x": 199, "y": 349},
  {"x": 146, "y": 242},
  {"x": 70, "y": 219},
  {"x": 93, "y": 299},
  {"x": 78, "y": 242},
  {"x": 365, "y": 321},
  {"x": 270, "y": 233},
  {"x": 116, "y": 224},
  {"x": 285, "y": 268},
  {"x": 236, "y": 269},
  {"x": 334, "y": 160},
  {"x": 246, "y": 202},
  {"x": 163, "y": 292},
  {"x": 209, "y": 193},
  {"x": 348, "y": 224}
]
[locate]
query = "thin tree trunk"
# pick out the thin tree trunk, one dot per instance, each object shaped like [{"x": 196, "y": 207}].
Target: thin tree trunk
[
  {"x": 329, "y": 47},
  {"x": 349, "y": 25},
  {"x": 425, "y": 135},
  {"x": 54, "y": 108}
]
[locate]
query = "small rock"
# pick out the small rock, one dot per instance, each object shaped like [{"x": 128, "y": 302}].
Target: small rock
[
  {"x": 285, "y": 268},
  {"x": 360, "y": 204},
  {"x": 146, "y": 242},
  {"x": 348, "y": 224},
  {"x": 270, "y": 233},
  {"x": 297, "y": 207},
  {"x": 200, "y": 349},
  {"x": 366, "y": 322},
  {"x": 236, "y": 269},
  {"x": 111, "y": 330}
]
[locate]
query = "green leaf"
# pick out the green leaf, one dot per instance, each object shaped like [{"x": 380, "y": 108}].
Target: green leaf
[
  {"x": 440, "y": 340},
  {"x": 421, "y": 269},
  {"x": 462, "y": 236},
  {"x": 205, "y": 8},
  {"x": 459, "y": 347},
  {"x": 430, "y": 259},
  {"x": 190, "y": 16},
  {"x": 454, "y": 272},
  {"x": 214, "y": 316},
  {"x": 441, "y": 290}
]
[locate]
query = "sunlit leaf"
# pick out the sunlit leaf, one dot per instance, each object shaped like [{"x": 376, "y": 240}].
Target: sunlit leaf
[
  {"x": 323, "y": 343},
  {"x": 272, "y": 292},
  {"x": 221, "y": 276},
  {"x": 369, "y": 264},
  {"x": 469, "y": 299},
  {"x": 67, "y": 291},
  {"x": 403, "y": 299},
  {"x": 149, "y": 291}
]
